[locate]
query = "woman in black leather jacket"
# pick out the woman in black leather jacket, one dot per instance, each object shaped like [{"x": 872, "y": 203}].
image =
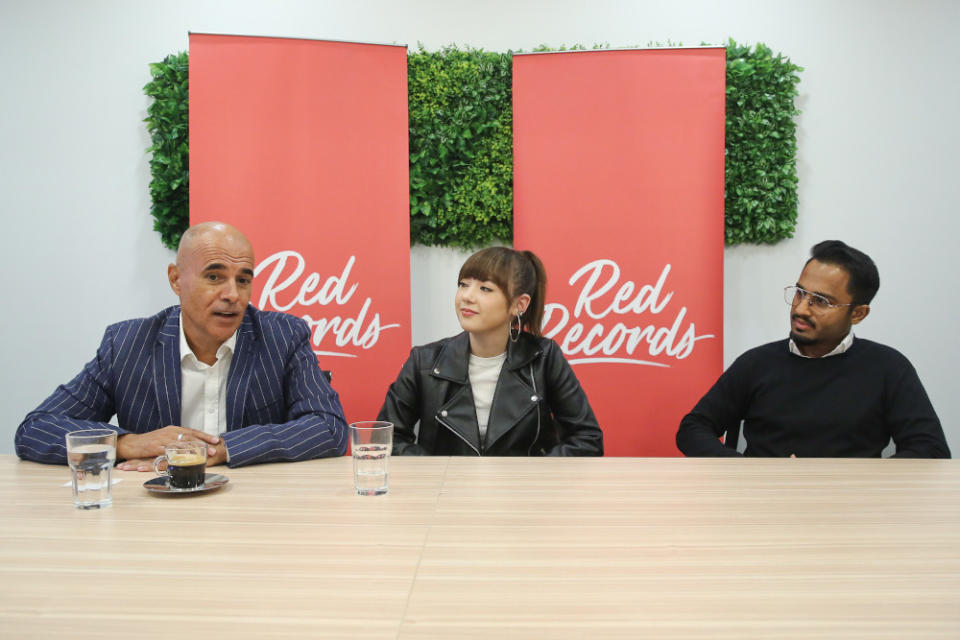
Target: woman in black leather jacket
[{"x": 499, "y": 388}]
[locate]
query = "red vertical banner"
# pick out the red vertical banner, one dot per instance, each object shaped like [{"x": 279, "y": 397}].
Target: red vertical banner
[
  {"x": 618, "y": 187},
  {"x": 302, "y": 144}
]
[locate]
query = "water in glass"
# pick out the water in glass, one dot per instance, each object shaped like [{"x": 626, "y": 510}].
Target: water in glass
[
  {"x": 91, "y": 466},
  {"x": 370, "y": 468}
]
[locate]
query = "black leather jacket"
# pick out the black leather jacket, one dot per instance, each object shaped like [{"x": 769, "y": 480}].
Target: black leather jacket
[{"x": 538, "y": 407}]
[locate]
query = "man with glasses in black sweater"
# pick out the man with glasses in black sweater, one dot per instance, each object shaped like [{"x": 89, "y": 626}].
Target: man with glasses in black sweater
[{"x": 820, "y": 393}]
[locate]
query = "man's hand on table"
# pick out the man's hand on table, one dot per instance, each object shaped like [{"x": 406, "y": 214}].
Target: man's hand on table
[{"x": 138, "y": 450}]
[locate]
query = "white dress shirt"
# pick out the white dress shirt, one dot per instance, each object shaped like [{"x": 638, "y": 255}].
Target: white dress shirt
[
  {"x": 845, "y": 344},
  {"x": 203, "y": 388}
]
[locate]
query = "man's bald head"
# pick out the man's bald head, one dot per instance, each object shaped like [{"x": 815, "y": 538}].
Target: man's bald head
[
  {"x": 217, "y": 232},
  {"x": 213, "y": 277}
]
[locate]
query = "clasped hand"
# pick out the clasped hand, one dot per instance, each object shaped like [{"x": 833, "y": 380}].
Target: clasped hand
[{"x": 138, "y": 450}]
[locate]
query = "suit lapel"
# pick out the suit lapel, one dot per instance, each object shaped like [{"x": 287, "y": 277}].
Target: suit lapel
[
  {"x": 238, "y": 379},
  {"x": 166, "y": 369}
]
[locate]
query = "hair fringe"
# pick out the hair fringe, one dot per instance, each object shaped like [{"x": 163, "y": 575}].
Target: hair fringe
[{"x": 516, "y": 273}]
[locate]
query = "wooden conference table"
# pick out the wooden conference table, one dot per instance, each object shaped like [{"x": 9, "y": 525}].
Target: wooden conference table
[{"x": 493, "y": 548}]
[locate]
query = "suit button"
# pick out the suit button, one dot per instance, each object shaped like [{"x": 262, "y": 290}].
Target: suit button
[
  {"x": 533, "y": 398},
  {"x": 443, "y": 413},
  {"x": 436, "y": 371}
]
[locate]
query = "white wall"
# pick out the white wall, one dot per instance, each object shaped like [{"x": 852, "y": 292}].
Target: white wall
[{"x": 878, "y": 140}]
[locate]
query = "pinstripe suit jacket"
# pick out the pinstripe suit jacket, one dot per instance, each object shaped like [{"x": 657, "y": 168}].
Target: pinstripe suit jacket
[{"x": 279, "y": 404}]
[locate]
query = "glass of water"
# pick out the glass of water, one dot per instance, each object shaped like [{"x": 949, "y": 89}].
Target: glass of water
[
  {"x": 91, "y": 454},
  {"x": 371, "y": 443}
]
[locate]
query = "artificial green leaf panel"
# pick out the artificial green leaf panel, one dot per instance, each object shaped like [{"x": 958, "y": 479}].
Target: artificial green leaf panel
[
  {"x": 761, "y": 162},
  {"x": 167, "y": 121},
  {"x": 461, "y": 146}
]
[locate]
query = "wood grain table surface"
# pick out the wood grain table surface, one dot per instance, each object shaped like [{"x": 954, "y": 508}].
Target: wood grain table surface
[{"x": 493, "y": 548}]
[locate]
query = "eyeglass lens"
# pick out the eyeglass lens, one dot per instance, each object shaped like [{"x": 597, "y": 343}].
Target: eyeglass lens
[{"x": 794, "y": 295}]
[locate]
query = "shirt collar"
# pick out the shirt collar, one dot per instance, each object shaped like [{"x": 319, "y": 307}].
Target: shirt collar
[
  {"x": 185, "y": 351},
  {"x": 845, "y": 344}
]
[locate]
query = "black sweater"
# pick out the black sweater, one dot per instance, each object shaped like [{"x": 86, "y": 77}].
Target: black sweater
[{"x": 847, "y": 405}]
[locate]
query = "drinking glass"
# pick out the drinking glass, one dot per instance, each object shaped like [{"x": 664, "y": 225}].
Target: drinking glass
[
  {"x": 91, "y": 454},
  {"x": 371, "y": 443}
]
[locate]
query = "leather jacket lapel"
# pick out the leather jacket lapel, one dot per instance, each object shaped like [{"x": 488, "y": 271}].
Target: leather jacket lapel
[
  {"x": 166, "y": 370},
  {"x": 238, "y": 379},
  {"x": 515, "y": 396},
  {"x": 460, "y": 416},
  {"x": 457, "y": 413}
]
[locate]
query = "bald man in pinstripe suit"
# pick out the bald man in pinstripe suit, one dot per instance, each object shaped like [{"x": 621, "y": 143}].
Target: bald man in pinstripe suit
[{"x": 213, "y": 368}]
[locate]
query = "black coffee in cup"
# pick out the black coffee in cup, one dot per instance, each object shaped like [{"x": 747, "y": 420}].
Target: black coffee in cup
[{"x": 187, "y": 470}]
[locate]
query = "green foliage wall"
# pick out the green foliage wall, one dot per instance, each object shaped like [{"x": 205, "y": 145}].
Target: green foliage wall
[
  {"x": 461, "y": 146},
  {"x": 167, "y": 121},
  {"x": 761, "y": 162}
]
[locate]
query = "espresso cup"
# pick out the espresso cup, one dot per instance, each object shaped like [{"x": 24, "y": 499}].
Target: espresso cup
[{"x": 186, "y": 464}]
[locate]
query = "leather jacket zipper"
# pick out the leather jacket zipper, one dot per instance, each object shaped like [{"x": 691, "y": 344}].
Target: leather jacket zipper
[{"x": 454, "y": 431}]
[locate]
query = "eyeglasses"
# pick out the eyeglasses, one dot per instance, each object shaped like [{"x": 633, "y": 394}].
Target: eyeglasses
[{"x": 795, "y": 295}]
